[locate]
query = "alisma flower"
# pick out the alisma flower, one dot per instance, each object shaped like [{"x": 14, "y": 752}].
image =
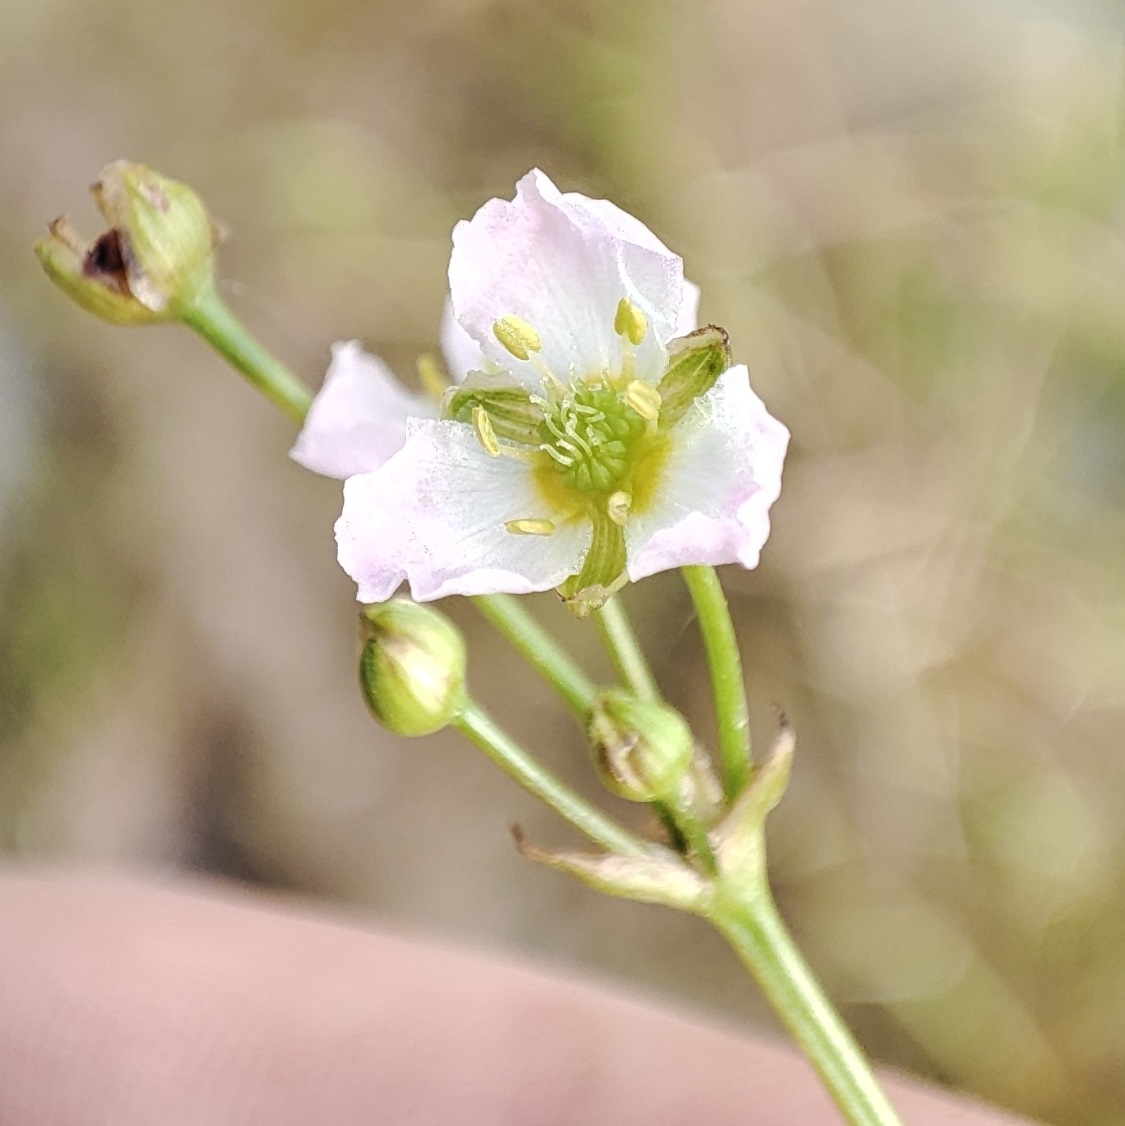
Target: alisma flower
[{"x": 590, "y": 439}]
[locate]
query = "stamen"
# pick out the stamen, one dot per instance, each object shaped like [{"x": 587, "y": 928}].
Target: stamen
[
  {"x": 617, "y": 507},
  {"x": 630, "y": 322},
  {"x": 433, "y": 380},
  {"x": 520, "y": 453},
  {"x": 530, "y": 527},
  {"x": 482, "y": 426},
  {"x": 644, "y": 399},
  {"x": 517, "y": 336}
]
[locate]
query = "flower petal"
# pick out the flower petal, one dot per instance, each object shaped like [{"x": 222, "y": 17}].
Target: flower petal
[
  {"x": 436, "y": 514},
  {"x": 373, "y": 539},
  {"x": 461, "y": 352},
  {"x": 721, "y": 476},
  {"x": 358, "y": 418},
  {"x": 561, "y": 263},
  {"x": 689, "y": 310}
]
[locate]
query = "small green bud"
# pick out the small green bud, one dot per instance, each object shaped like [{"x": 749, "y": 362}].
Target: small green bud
[
  {"x": 412, "y": 667},
  {"x": 642, "y": 749},
  {"x": 695, "y": 362},
  {"x": 153, "y": 261}
]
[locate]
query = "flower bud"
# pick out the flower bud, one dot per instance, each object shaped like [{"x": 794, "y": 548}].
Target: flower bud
[
  {"x": 642, "y": 749},
  {"x": 412, "y": 667},
  {"x": 153, "y": 261}
]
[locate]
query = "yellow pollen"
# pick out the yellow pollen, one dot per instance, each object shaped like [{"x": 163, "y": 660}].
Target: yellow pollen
[
  {"x": 617, "y": 507},
  {"x": 630, "y": 322},
  {"x": 529, "y": 527},
  {"x": 517, "y": 336},
  {"x": 430, "y": 375},
  {"x": 644, "y": 399},
  {"x": 482, "y": 426}
]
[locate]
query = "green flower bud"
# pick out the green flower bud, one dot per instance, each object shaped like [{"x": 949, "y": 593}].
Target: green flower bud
[
  {"x": 642, "y": 749},
  {"x": 153, "y": 261},
  {"x": 412, "y": 667}
]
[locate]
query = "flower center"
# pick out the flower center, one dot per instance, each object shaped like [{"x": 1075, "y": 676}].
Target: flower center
[{"x": 591, "y": 435}]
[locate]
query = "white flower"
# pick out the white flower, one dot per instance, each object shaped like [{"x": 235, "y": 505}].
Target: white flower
[{"x": 588, "y": 440}]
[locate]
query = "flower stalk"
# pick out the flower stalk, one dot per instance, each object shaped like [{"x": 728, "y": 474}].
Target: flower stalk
[
  {"x": 540, "y": 649},
  {"x": 728, "y": 689},
  {"x": 477, "y": 726},
  {"x": 625, "y": 650},
  {"x": 210, "y": 317},
  {"x": 747, "y": 917}
]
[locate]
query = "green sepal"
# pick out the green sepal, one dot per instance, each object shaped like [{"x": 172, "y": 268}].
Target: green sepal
[
  {"x": 510, "y": 409},
  {"x": 93, "y": 276},
  {"x": 167, "y": 237},
  {"x": 695, "y": 361},
  {"x": 603, "y": 569}
]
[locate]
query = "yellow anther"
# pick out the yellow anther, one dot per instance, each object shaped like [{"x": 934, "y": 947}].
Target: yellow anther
[
  {"x": 433, "y": 379},
  {"x": 617, "y": 507},
  {"x": 630, "y": 321},
  {"x": 644, "y": 399},
  {"x": 482, "y": 425},
  {"x": 530, "y": 527},
  {"x": 517, "y": 336}
]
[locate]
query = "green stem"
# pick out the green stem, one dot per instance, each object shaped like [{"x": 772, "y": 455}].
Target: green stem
[
  {"x": 210, "y": 317},
  {"x": 694, "y": 837},
  {"x": 666, "y": 818},
  {"x": 756, "y": 932},
  {"x": 625, "y": 651},
  {"x": 475, "y": 724},
  {"x": 540, "y": 649},
  {"x": 727, "y": 686}
]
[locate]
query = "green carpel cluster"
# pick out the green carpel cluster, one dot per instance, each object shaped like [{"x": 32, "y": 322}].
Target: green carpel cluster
[{"x": 592, "y": 437}]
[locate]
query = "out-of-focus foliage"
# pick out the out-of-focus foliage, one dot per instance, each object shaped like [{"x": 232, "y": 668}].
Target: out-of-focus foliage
[{"x": 909, "y": 217}]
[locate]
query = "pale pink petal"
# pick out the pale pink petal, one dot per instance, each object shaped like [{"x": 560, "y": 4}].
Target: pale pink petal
[
  {"x": 721, "y": 477},
  {"x": 373, "y": 537},
  {"x": 689, "y": 310},
  {"x": 461, "y": 352},
  {"x": 436, "y": 514},
  {"x": 358, "y": 418},
  {"x": 562, "y": 263}
]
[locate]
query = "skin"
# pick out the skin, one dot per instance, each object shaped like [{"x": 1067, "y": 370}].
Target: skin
[{"x": 127, "y": 1002}]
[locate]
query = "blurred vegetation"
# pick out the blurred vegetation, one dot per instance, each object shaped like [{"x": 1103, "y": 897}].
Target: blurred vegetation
[{"x": 909, "y": 217}]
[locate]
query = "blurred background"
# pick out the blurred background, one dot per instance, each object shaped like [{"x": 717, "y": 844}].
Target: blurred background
[{"x": 910, "y": 218}]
